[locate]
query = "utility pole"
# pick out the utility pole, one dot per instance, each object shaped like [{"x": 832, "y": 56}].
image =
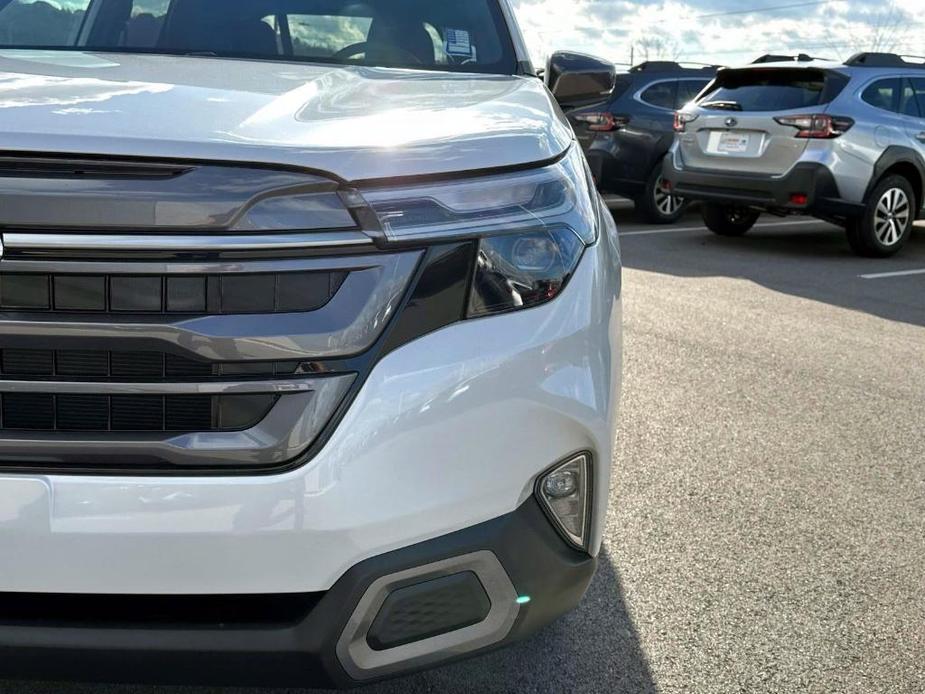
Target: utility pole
[{"x": 632, "y": 54}]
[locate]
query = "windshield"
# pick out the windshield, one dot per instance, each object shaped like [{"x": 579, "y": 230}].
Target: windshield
[{"x": 464, "y": 35}]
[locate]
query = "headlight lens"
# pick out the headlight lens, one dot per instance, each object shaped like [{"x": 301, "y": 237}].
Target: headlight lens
[
  {"x": 517, "y": 271},
  {"x": 559, "y": 194},
  {"x": 533, "y": 226}
]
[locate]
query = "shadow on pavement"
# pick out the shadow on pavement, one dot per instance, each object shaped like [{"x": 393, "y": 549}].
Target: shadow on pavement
[
  {"x": 814, "y": 263},
  {"x": 593, "y": 649}
]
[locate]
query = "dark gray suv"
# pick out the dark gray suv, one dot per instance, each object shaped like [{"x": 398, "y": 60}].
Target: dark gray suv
[
  {"x": 627, "y": 137},
  {"x": 844, "y": 142}
]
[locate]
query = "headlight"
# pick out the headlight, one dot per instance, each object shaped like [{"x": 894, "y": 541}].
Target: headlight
[
  {"x": 523, "y": 270},
  {"x": 533, "y": 226}
]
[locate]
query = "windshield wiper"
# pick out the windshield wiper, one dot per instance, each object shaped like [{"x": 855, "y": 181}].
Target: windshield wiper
[{"x": 723, "y": 105}]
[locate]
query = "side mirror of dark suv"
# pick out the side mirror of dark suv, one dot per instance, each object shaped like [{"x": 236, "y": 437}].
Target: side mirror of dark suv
[{"x": 576, "y": 79}]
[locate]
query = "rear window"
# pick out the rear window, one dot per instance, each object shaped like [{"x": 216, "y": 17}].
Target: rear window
[
  {"x": 773, "y": 90},
  {"x": 688, "y": 91}
]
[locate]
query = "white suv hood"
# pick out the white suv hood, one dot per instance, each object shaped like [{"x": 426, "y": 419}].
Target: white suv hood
[{"x": 353, "y": 122}]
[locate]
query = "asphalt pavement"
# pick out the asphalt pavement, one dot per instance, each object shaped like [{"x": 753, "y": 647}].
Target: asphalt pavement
[{"x": 767, "y": 521}]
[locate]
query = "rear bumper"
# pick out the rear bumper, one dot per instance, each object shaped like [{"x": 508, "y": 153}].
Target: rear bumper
[
  {"x": 766, "y": 192},
  {"x": 300, "y": 647}
]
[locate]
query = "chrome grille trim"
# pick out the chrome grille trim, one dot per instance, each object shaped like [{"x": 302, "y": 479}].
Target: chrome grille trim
[
  {"x": 285, "y": 433},
  {"x": 281, "y": 387},
  {"x": 347, "y": 325},
  {"x": 18, "y": 241}
]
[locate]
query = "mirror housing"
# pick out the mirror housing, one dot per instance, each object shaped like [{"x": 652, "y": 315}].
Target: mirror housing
[{"x": 576, "y": 79}]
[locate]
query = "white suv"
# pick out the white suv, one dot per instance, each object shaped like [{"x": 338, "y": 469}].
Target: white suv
[
  {"x": 309, "y": 339},
  {"x": 842, "y": 142}
]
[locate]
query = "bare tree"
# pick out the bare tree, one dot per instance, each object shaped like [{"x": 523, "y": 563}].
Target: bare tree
[
  {"x": 656, "y": 47},
  {"x": 888, "y": 32}
]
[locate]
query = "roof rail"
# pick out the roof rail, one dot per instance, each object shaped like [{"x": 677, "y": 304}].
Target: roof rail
[
  {"x": 775, "y": 58},
  {"x": 886, "y": 60},
  {"x": 663, "y": 65}
]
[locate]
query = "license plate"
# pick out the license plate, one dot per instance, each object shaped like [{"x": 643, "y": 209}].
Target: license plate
[{"x": 734, "y": 143}]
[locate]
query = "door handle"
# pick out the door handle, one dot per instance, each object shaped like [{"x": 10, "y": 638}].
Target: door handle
[{"x": 920, "y": 137}]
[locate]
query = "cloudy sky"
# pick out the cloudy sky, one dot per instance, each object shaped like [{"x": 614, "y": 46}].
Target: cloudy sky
[{"x": 721, "y": 31}]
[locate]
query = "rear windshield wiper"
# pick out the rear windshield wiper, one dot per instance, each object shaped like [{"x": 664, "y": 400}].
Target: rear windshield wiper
[{"x": 723, "y": 105}]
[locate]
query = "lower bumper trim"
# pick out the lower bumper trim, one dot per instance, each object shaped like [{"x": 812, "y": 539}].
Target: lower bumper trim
[
  {"x": 311, "y": 640},
  {"x": 815, "y": 181}
]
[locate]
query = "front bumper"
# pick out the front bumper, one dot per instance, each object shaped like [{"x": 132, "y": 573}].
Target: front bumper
[
  {"x": 437, "y": 456},
  {"x": 773, "y": 193},
  {"x": 95, "y": 639}
]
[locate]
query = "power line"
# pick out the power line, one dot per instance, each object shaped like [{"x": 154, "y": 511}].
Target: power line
[{"x": 773, "y": 8}]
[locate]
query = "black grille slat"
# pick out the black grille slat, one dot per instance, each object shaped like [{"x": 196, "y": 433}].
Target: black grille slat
[
  {"x": 289, "y": 292},
  {"x": 82, "y": 412},
  {"x": 26, "y": 362},
  {"x": 27, "y": 411},
  {"x": 84, "y": 364},
  {"x": 179, "y": 367},
  {"x": 137, "y": 365},
  {"x": 137, "y": 413},
  {"x": 128, "y": 366},
  {"x": 188, "y": 413},
  {"x": 132, "y": 413}
]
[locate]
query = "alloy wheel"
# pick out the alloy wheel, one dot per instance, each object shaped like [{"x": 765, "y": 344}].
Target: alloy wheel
[
  {"x": 891, "y": 218},
  {"x": 666, "y": 203}
]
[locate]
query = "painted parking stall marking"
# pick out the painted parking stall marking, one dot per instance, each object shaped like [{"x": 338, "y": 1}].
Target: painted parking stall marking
[
  {"x": 678, "y": 230},
  {"x": 898, "y": 273}
]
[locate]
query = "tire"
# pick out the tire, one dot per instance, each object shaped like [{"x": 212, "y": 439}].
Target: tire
[
  {"x": 886, "y": 224},
  {"x": 655, "y": 205},
  {"x": 728, "y": 220}
]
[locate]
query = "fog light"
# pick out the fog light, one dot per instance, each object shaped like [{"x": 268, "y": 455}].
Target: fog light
[{"x": 565, "y": 494}]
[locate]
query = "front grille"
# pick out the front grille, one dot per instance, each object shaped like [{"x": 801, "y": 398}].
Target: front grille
[
  {"x": 287, "y": 292},
  {"x": 48, "y": 412},
  {"x": 182, "y": 316},
  {"x": 37, "y": 364}
]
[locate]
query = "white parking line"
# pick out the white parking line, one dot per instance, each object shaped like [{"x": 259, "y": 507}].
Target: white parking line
[
  {"x": 678, "y": 230},
  {"x": 900, "y": 273}
]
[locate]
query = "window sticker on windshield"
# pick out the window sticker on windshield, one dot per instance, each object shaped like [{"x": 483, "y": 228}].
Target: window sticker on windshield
[{"x": 457, "y": 43}]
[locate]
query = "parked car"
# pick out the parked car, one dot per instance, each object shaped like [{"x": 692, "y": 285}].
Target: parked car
[
  {"x": 309, "y": 335},
  {"x": 627, "y": 137},
  {"x": 844, "y": 142}
]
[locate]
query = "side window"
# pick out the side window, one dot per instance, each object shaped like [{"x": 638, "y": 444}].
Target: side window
[
  {"x": 908, "y": 105},
  {"x": 661, "y": 94},
  {"x": 687, "y": 90},
  {"x": 918, "y": 86},
  {"x": 30, "y": 23},
  {"x": 143, "y": 29},
  {"x": 884, "y": 94}
]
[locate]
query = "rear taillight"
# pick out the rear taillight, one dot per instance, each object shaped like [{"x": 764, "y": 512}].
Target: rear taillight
[
  {"x": 819, "y": 126},
  {"x": 681, "y": 119},
  {"x": 602, "y": 122}
]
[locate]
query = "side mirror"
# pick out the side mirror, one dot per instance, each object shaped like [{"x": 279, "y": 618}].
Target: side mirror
[{"x": 576, "y": 79}]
